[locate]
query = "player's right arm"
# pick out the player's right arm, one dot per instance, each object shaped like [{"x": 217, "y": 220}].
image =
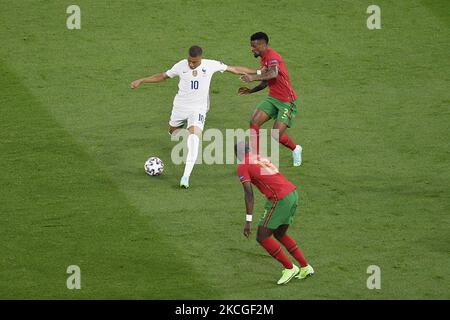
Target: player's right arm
[
  {"x": 248, "y": 190},
  {"x": 244, "y": 90},
  {"x": 174, "y": 71},
  {"x": 245, "y": 178},
  {"x": 152, "y": 79}
]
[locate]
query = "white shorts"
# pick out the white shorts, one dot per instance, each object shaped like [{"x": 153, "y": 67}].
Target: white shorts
[{"x": 192, "y": 117}]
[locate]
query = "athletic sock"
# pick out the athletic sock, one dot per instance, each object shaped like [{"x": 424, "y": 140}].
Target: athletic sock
[
  {"x": 285, "y": 140},
  {"x": 192, "y": 144},
  {"x": 275, "y": 250},
  {"x": 293, "y": 249},
  {"x": 254, "y": 139}
]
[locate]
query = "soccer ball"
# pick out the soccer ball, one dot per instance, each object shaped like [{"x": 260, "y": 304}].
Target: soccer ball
[{"x": 154, "y": 166}]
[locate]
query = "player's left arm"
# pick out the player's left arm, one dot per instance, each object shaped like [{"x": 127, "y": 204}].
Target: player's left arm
[
  {"x": 240, "y": 70},
  {"x": 248, "y": 190},
  {"x": 266, "y": 74}
]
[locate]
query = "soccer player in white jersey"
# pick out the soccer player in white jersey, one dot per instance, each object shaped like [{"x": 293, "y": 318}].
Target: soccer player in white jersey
[{"x": 191, "y": 103}]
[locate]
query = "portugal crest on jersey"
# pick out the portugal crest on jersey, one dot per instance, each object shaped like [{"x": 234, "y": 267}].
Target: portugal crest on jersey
[{"x": 194, "y": 73}]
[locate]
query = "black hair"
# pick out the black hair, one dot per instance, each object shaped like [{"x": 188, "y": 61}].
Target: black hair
[
  {"x": 195, "y": 51},
  {"x": 260, "y": 36}
]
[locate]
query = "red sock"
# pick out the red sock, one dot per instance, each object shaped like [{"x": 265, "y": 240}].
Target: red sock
[
  {"x": 254, "y": 138},
  {"x": 293, "y": 249},
  {"x": 286, "y": 141},
  {"x": 275, "y": 250}
]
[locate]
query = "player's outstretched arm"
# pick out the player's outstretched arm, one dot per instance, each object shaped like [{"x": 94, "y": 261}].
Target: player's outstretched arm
[
  {"x": 244, "y": 90},
  {"x": 248, "y": 190},
  {"x": 265, "y": 74},
  {"x": 240, "y": 70},
  {"x": 152, "y": 79}
]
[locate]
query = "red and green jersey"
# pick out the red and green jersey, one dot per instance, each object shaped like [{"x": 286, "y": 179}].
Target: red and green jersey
[
  {"x": 280, "y": 87},
  {"x": 265, "y": 176}
]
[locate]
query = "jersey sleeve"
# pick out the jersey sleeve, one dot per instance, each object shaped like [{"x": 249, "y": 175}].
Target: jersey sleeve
[
  {"x": 273, "y": 60},
  {"x": 175, "y": 70},
  {"x": 243, "y": 173},
  {"x": 219, "y": 66}
]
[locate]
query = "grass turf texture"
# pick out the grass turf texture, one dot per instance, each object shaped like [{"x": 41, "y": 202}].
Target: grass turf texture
[{"x": 373, "y": 123}]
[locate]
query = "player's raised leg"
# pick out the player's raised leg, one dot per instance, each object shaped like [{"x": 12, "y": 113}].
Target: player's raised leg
[
  {"x": 259, "y": 117},
  {"x": 174, "y": 130},
  {"x": 264, "y": 238},
  {"x": 280, "y": 135},
  {"x": 177, "y": 120}
]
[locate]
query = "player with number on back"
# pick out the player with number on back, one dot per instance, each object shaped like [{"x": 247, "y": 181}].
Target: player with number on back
[
  {"x": 191, "y": 103},
  {"x": 281, "y": 104},
  {"x": 282, "y": 201}
]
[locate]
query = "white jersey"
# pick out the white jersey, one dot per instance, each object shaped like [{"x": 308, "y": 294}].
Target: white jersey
[{"x": 193, "y": 88}]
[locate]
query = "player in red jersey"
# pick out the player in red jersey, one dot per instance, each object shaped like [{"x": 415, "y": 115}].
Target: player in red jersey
[
  {"x": 282, "y": 201},
  {"x": 281, "y": 104}
]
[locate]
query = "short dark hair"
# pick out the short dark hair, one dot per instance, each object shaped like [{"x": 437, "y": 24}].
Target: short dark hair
[
  {"x": 260, "y": 36},
  {"x": 195, "y": 51}
]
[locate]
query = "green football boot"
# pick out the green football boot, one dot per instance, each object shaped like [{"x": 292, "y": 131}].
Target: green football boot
[
  {"x": 305, "y": 272},
  {"x": 288, "y": 274}
]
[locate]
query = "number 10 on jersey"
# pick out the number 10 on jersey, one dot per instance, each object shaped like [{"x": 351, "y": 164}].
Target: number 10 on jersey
[{"x": 194, "y": 84}]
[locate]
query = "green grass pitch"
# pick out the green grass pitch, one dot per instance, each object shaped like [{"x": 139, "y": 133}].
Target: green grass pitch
[{"x": 373, "y": 123}]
